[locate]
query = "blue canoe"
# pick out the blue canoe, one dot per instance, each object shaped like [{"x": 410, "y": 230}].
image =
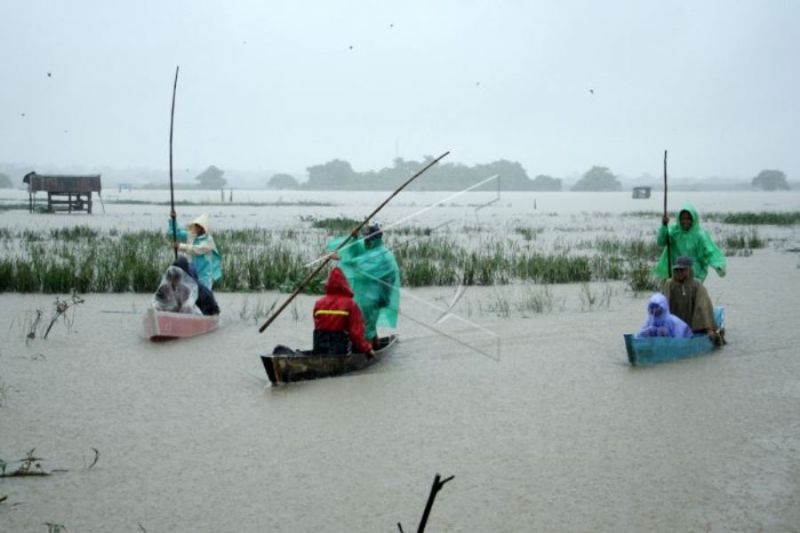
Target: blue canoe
[{"x": 652, "y": 350}]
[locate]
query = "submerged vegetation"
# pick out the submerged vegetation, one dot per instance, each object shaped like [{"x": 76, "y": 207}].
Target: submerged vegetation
[
  {"x": 745, "y": 218},
  {"x": 742, "y": 241},
  {"x": 752, "y": 219},
  {"x": 84, "y": 259}
]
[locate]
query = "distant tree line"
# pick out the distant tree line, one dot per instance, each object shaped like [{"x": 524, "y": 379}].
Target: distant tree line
[
  {"x": 598, "y": 179},
  {"x": 340, "y": 175},
  {"x": 771, "y": 180}
]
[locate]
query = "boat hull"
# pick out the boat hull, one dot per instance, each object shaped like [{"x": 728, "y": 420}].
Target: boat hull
[
  {"x": 652, "y": 350},
  {"x": 163, "y": 325},
  {"x": 286, "y": 365}
]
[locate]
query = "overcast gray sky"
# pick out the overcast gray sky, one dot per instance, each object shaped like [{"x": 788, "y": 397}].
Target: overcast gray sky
[{"x": 282, "y": 85}]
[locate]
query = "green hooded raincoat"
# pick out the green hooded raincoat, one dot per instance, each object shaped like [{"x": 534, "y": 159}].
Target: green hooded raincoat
[
  {"x": 695, "y": 243},
  {"x": 375, "y": 279}
]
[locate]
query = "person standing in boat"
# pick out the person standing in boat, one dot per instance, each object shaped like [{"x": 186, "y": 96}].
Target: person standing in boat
[
  {"x": 205, "y": 298},
  {"x": 338, "y": 323},
  {"x": 372, "y": 271},
  {"x": 660, "y": 322},
  {"x": 198, "y": 244},
  {"x": 688, "y": 299},
  {"x": 687, "y": 238}
]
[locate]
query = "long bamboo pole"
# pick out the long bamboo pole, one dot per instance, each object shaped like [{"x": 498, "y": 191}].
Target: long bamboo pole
[
  {"x": 669, "y": 255},
  {"x": 171, "y": 186},
  {"x": 344, "y": 242}
]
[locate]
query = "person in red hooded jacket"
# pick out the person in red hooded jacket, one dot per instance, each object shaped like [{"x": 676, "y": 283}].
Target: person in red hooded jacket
[{"x": 338, "y": 322}]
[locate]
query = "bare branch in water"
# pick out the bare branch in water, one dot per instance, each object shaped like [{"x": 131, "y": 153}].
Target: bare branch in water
[
  {"x": 33, "y": 326},
  {"x": 96, "y": 457},
  {"x": 61, "y": 308}
]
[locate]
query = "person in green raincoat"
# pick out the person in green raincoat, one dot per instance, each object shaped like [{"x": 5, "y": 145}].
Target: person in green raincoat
[
  {"x": 371, "y": 270},
  {"x": 688, "y": 239}
]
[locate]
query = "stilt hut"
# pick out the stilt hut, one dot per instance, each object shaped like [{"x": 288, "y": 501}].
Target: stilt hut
[{"x": 64, "y": 193}]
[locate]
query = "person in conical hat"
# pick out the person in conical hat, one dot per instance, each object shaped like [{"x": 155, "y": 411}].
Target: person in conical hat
[{"x": 197, "y": 243}]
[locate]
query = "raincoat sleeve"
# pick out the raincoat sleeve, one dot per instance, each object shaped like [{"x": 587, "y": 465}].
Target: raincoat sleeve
[
  {"x": 181, "y": 233},
  {"x": 644, "y": 331},
  {"x": 355, "y": 329},
  {"x": 714, "y": 256},
  {"x": 390, "y": 308},
  {"x": 661, "y": 236},
  {"x": 661, "y": 270},
  {"x": 679, "y": 328},
  {"x": 204, "y": 247},
  {"x": 703, "y": 315}
]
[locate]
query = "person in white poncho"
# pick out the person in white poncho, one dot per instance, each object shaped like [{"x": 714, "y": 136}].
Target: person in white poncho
[{"x": 177, "y": 293}]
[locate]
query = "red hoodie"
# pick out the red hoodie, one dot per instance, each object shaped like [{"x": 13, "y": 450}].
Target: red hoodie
[{"x": 337, "y": 311}]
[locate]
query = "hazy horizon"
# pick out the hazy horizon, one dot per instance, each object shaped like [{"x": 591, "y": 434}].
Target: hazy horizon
[{"x": 281, "y": 87}]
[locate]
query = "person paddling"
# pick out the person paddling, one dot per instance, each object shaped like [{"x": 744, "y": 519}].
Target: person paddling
[
  {"x": 688, "y": 239},
  {"x": 197, "y": 243},
  {"x": 373, "y": 273}
]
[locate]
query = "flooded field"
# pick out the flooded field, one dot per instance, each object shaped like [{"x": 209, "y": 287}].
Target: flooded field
[{"x": 522, "y": 392}]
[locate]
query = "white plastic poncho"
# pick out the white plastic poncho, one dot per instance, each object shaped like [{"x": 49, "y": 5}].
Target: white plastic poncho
[{"x": 177, "y": 293}]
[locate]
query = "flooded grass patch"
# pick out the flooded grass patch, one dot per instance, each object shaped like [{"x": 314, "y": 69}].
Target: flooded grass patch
[
  {"x": 753, "y": 219},
  {"x": 85, "y": 260},
  {"x": 334, "y": 225},
  {"x": 743, "y": 241}
]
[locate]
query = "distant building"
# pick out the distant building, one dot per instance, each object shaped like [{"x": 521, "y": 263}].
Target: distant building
[
  {"x": 641, "y": 192},
  {"x": 64, "y": 193}
]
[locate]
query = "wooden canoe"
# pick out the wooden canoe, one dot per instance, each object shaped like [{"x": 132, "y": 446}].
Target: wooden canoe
[
  {"x": 163, "y": 325},
  {"x": 286, "y": 365},
  {"x": 652, "y": 350}
]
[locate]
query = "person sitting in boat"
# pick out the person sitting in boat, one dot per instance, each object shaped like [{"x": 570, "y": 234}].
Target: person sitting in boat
[
  {"x": 338, "y": 324},
  {"x": 689, "y": 300},
  {"x": 372, "y": 271},
  {"x": 660, "y": 322},
  {"x": 687, "y": 238},
  {"x": 197, "y": 243},
  {"x": 177, "y": 293},
  {"x": 205, "y": 298}
]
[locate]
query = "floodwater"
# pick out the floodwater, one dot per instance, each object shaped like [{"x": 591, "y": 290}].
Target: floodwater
[{"x": 537, "y": 415}]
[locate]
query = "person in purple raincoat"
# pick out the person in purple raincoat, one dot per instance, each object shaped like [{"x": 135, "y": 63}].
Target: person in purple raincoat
[{"x": 660, "y": 322}]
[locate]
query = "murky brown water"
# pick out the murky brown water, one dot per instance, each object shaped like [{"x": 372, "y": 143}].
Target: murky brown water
[
  {"x": 558, "y": 434},
  {"x": 552, "y": 432}
]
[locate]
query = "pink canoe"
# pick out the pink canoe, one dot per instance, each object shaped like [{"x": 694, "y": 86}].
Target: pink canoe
[{"x": 162, "y": 325}]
